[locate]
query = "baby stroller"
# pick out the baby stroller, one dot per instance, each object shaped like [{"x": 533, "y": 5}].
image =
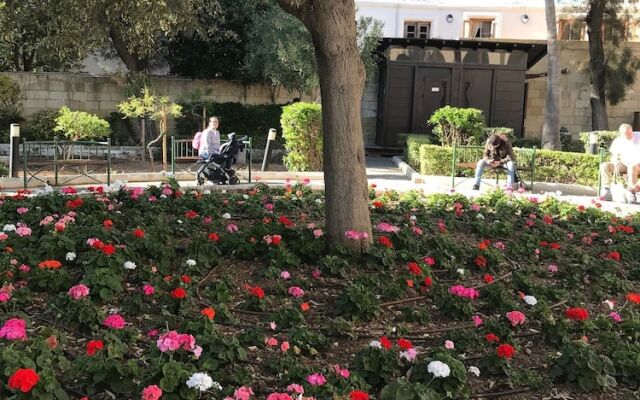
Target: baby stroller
[{"x": 217, "y": 168}]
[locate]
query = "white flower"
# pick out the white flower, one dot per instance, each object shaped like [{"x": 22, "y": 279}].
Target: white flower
[
  {"x": 245, "y": 196},
  {"x": 413, "y": 218},
  {"x": 163, "y": 196},
  {"x": 191, "y": 262},
  {"x": 179, "y": 221},
  {"x": 460, "y": 271},
  {"x": 226, "y": 216},
  {"x": 202, "y": 382},
  {"x": 439, "y": 369},
  {"x": 474, "y": 370},
  {"x": 480, "y": 216},
  {"x": 9, "y": 228},
  {"x": 375, "y": 344},
  {"x": 530, "y": 300},
  {"x": 223, "y": 191},
  {"x": 130, "y": 265},
  {"x": 609, "y": 303},
  {"x": 70, "y": 256},
  {"x": 318, "y": 201}
]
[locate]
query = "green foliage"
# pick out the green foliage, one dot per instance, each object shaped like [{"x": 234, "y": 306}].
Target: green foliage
[
  {"x": 378, "y": 367},
  {"x": 620, "y": 72},
  {"x": 405, "y": 390},
  {"x": 41, "y": 125},
  {"x": 9, "y": 106},
  {"x": 358, "y": 302},
  {"x": 571, "y": 145},
  {"x": 498, "y": 130},
  {"x": 604, "y": 139},
  {"x": 458, "y": 125},
  {"x": 581, "y": 365},
  {"x": 79, "y": 125},
  {"x": 122, "y": 131},
  {"x": 369, "y": 33},
  {"x": 302, "y": 132}
]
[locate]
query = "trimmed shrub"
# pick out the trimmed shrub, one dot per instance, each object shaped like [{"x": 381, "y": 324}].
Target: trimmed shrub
[
  {"x": 570, "y": 145},
  {"x": 458, "y": 125},
  {"x": 302, "y": 133},
  {"x": 526, "y": 142},
  {"x": 551, "y": 166},
  {"x": 79, "y": 125},
  {"x": 41, "y": 125},
  {"x": 412, "y": 149},
  {"x": 604, "y": 139},
  {"x": 498, "y": 130}
]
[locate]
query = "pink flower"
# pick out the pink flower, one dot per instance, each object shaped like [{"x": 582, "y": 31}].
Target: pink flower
[
  {"x": 284, "y": 347},
  {"x": 243, "y": 393},
  {"x": 516, "y": 318},
  {"x": 317, "y": 233},
  {"x": 167, "y": 191},
  {"x": 152, "y": 333},
  {"x": 153, "y": 199},
  {"x": 3, "y": 236},
  {"x": 114, "y": 321},
  {"x": 315, "y": 274},
  {"x": 269, "y": 206},
  {"x": 4, "y": 297},
  {"x": 430, "y": 261},
  {"x": 285, "y": 275},
  {"x": 295, "y": 388},
  {"x": 279, "y": 396},
  {"x": 78, "y": 292},
  {"x": 23, "y": 230},
  {"x": 271, "y": 342},
  {"x": 232, "y": 228},
  {"x": 207, "y": 220},
  {"x": 449, "y": 345},
  {"x": 477, "y": 321},
  {"x": 272, "y": 325},
  {"x": 474, "y": 207},
  {"x": 197, "y": 351},
  {"x": 553, "y": 269},
  {"x": 409, "y": 354},
  {"x": 417, "y": 231},
  {"x": 343, "y": 372},
  {"x": 14, "y": 329},
  {"x": 174, "y": 341},
  {"x": 152, "y": 392},
  {"x": 295, "y": 291},
  {"x": 355, "y": 235},
  {"x": 461, "y": 291},
  {"x": 499, "y": 245},
  {"x": 22, "y": 210},
  {"x": 615, "y": 316},
  {"x": 148, "y": 290},
  {"x": 316, "y": 379},
  {"x": 388, "y": 228}
]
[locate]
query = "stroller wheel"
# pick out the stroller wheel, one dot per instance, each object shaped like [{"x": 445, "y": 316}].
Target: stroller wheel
[{"x": 234, "y": 180}]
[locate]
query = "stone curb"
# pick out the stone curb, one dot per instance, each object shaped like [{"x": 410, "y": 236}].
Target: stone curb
[{"x": 407, "y": 170}]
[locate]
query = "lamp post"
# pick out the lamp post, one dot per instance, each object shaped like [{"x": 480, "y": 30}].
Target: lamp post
[{"x": 593, "y": 142}]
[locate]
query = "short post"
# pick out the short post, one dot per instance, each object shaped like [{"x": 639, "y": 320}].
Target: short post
[
  {"x": 108, "y": 161},
  {"x": 267, "y": 149},
  {"x": 14, "y": 142},
  {"x": 55, "y": 159},
  {"x": 24, "y": 161},
  {"x": 593, "y": 142},
  {"x": 173, "y": 155}
]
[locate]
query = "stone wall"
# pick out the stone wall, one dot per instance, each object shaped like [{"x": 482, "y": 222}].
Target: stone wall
[
  {"x": 575, "y": 110},
  {"x": 101, "y": 94},
  {"x": 369, "y": 111}
]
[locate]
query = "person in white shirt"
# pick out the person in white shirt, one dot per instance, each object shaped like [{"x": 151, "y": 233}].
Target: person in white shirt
[
  {"x": 210, "y": 140},
  {"x": 625, "y": 157}
]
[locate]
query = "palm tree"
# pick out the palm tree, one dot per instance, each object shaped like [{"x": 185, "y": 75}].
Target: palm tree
[{"x": 551, "y": 128}]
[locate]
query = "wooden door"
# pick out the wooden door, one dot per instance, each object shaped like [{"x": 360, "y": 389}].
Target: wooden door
[
  {"x": 508, "y": 99},
  {"x": 432, "y": 90},
  {"x": 477, "y": 91},
  {"x": 398, "y": 104}
]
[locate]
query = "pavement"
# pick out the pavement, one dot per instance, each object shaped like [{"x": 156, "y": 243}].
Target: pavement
[{"x": 386, "y": 173}]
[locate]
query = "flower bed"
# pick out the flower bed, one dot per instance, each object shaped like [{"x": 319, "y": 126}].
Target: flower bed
[{"x": 161, "y": 294}]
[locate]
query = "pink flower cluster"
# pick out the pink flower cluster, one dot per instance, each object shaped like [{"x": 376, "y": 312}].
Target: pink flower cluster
[
  {"x": 279, "y": 396},
  {"x": 516, "y": 318},
  {"x": 316, "y": 379},
  {"x": 388, "y": 228},
  {"x": 114, "y": 321},
  {"x": 22, "y": 210},
  {"x": 148, "y": 290},
  {"x": 296, "y": 291},
  {"x": 14, "y": 329},
  {"x": 79, "y": 292},
  {"x": 151, "y": 392},
  {"x": 355, "y": 235},
  {"x": 61, "y": 223},
  {"x": 461, "y": 291},
  {"x": 342, "y": 372},
  {"x": 173, "y": 341},
  {"x": 23, "y": 230},
  {"x": 242, "y": 393}
]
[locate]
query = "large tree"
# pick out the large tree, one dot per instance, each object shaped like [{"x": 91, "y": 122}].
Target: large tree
[
  {"x": 332, "y": 25},
  {"x": 551, "y": 128}
]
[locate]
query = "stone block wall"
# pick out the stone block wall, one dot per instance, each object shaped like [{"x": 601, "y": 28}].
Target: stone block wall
[{"x": 369, "y": 111}]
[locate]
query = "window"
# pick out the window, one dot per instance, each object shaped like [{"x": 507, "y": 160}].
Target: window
[
  {"x": 570, "y": 29},
  {"x": 417, "y": 30},
  {"x": 479, "y": 28}
]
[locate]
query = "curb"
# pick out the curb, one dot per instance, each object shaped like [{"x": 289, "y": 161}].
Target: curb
[{"x": 407, "y": 170}]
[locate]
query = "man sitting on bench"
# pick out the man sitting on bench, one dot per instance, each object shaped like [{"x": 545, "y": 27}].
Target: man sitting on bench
[
  {"x": 625, "y": 157},
  {"x": 498, "y": 153}
]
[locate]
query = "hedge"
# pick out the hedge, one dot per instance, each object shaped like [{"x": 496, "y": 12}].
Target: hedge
[{"x": 551, "y": 166}]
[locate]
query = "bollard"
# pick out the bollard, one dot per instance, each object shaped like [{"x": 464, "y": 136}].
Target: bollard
[
  {"x": 267, "y": 149},
  {"x": 14, "y": 151},
  {"x": 593, "y": 142}
]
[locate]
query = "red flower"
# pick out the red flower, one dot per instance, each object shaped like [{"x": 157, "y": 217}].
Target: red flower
[
  {"x": 209, "y": 313},
  {"x": 491, "y": 338},
  {"x": 276, "y": 239},
  {"x": 358, "y": 395},
  {"x": 404, "y": 344},
  {"x": 285, "y": 221},
  {"x": 185, "y": 279},
  {"x": 577, "y": 314},
  {"x": 410, "y": 283},
  {"x": 487, "y": 278},
  {"x": 428, "y": 281},
  {"x": 139, "y": 233},
  {"x": 481, "y": 262},
  {"x": 75, "y": 203},
  {"x": 414, "y": 269},
  {"x": 305, "y": 307},
  {"x": 108, "y": 249},
  {"x": 191, "y": 214},
  {"x": 378, "y": 204},
  {"x": 634, "y": 298},
  {"x": 256, "y": 291},
  {"x": 94, "y": 346},
  {"x": 24, "y": 380},
  {"x": 385, "y": 342},
  {"x": 614, "y": 255},
  {"x": 107, "y": 223},
  {"x": 555, "y": 246},
  {"x": 383, "y": 240},
  {"x": 50, "y": 264},
  {"x": 505, "y": 351},
  {"x": 178, "y": 293},
  {"x": 547, "y": 219},
  {"x": 484, "y": 244},
  {"x": 214, "y": 237}
]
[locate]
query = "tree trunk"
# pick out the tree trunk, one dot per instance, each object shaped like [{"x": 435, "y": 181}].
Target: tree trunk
[
  {"x": 131, "y": 61},
  {"x": 595, "y": 27},
  {"x": 551, "y": 128},
  {"x": 332, "y": 24}
]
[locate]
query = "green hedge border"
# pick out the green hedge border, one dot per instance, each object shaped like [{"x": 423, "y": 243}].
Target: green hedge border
[{"x": 551, "y": 166}]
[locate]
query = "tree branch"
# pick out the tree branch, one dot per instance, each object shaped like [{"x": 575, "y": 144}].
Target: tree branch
[{"x": 297, "y": 8}]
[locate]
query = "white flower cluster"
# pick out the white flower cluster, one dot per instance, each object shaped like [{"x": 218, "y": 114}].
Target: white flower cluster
[
  {"x": 474, "y": 370},
  {"x": 130, "y": 265},
  {"x": 191, "y": 262},
  {"x": 70, "y": 256},
  {"x": 202, "y": 382},
  {"x": 530, "y": 300},
  {"x": 9, "y": 228},
  {"x": 438, "y": 369},
  {"x": 226, "y": 216}
]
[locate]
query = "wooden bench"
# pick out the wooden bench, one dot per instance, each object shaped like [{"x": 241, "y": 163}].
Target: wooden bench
[{"x": 467, "y": 157}]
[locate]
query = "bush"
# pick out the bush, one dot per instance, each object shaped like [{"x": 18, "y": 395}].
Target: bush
[
  {"x": 41, "y": 125},
  {"x": 412, "y": 149},
  {"x": 458, "y": 125},
  {"x": 526, "y": 142},
  {"x": 570, "y": 145},
  {"x": 302, "y": 133},
  {"x": 78, "y": 125},
  {"x": 551, "y": 166},
  {"x": 604, "y": 139},
  {"x": 9, "y": 106},
  {"x": 499, "y": 130},
  {"x": 122, "y": 131}
]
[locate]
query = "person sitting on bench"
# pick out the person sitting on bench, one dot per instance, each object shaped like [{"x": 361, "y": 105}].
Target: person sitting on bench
[
  {"x": 498, "y": 153},
  {"x": 625, "y": 157}
]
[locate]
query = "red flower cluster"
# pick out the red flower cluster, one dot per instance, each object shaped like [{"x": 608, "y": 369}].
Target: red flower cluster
[
  {"x": 107, "y": 223},
  {"x": 552, "y": 246},
  {"x": 505, "y": 351},
  {"x": 191, "y": 214},
  {"x": 577, "y": 313},
  {"x": 285, "y": 221},
  {"x": 405, "y": 344},
  {"x": 414, "y": 269},
  {"x": 428, "y": 281},
  {"x": 481, "y": 262},
  {"x": 24, "y": 380},
  {"x": 492, "y": 338},
  {"x": 634, "y": 298},
  {"x": 178, "y": 293},
  {"x": 358, "y": 395},
  {"x": 75, "y": 203},
  {"x": 50, "y": 264},
  {"x": 256, "y": 291},
  {"x": 139, "y": 233},
  {"x": 108, "y": 249},
  {"x": 385, "y": 342},
  {"x": 484, "y": 244},
  {"x": 208, "y": 312},
  {"x": 548, "y": 219},
  {"x": 378, "y": 204},
  {"x": 214, "y": 237},
  {"x": 185, "y": 279},
  {"x": 623, "y": 228},
  {"x": 94, "y": 346},
  {"x": 383, "y": 240},
  {"x": 487, "y": 278},
  {"x": 614, "y": 255}
]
